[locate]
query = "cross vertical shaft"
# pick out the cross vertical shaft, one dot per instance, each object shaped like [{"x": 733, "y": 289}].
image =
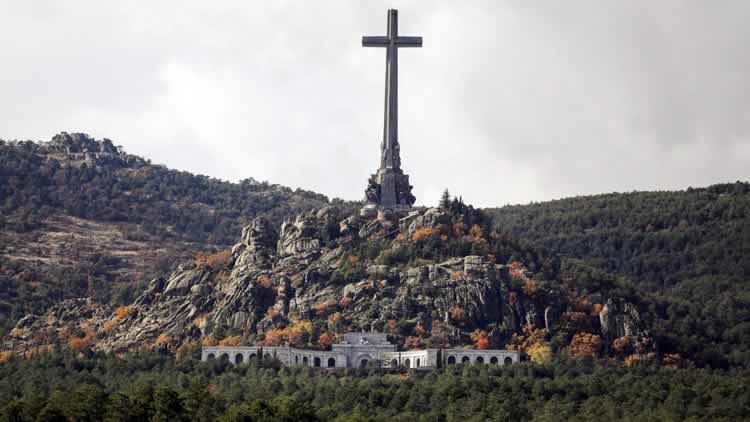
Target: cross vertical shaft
[
  {"x": 389, "y": 188},
  {"x": 389, "y": 157},
  {"x": 390, "y": 125}
]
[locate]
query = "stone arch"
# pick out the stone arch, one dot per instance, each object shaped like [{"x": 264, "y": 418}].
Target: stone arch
[
  {"x": 407, "y": 363},
  {"x": 417, "y": 363},
  {"x": 211, "y": 356},
  {"x": 394, "y": 363},
  {"x": 304, "y": 361},
  {"x": 238, "y": 358},
  {"x": 364, "y": 360},
  {"x": 316, "y": 362},
  {"x": 480, "y": 359},
  {"x": 493, "y": 360},
  {"x": 507, "y": 361},
  {"x": 253, "y": 356},
  {"x": 331, "y": 362},
  {"x": 465, "y": 359},
  {"x": 451, "y": 360},
  {"x": 224, "y": 357},
  {"x": 296, "y": 359}
]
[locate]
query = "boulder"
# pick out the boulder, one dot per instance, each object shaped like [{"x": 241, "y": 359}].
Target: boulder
[
  {"x": 299, "y": 236},
  {"x": 181, "y": 282}
]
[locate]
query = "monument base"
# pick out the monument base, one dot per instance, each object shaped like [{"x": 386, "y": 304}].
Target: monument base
[{"x": 383, "y": 212}]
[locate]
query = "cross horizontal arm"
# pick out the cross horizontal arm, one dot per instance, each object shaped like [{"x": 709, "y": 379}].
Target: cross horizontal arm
[
  {"x": 409, "y": 41},
  {"x": 375, "y": 41}
]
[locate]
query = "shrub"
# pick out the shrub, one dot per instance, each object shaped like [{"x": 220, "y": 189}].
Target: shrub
[
  {"x": 230, "y": 341},
  {"x": 423, "y": 233},
  {"x": 585, "y": 345},
  {"x": 216, "y": 260},
  {"x": 121, "y": 312}
]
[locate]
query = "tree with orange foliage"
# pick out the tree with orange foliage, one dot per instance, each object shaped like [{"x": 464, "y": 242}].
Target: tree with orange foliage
[
  {"x": 533, "y": 343},
  {"x": 622, "y": 346},
  {"x": 79, "y": 344},
  {"x": 121, "y": 312},
  {"x": 423, "y": 233},
  {"x": 273, "y": 338},
  {"x": 585, "y": 345},
  {"x": 457, "y": 314},
  {"x": 325, "y": 340},
  {"x": 480, "y": 339},
  {"x": 209, "y": 341},
  {"x": 413, "y": 342},
  {"x": 475, "y": 232},
  {"x": 230, "y": 341}
]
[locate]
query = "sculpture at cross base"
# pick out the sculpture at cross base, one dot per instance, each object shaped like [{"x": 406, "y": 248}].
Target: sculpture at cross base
[{"x": 389, "y": 188}]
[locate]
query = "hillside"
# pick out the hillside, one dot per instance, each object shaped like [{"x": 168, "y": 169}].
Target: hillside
[
  {"x": 688, "y": 251},
  {"x": 436, "y": 278},
  {"x": 83, "y": 219},
  {"x": 80, "y": 217}
]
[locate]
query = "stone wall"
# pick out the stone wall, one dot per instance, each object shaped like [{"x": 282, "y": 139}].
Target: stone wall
[{"x": 351, "y": 356}]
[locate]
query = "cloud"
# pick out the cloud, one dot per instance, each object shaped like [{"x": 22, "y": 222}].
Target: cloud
[{"x": 506, "y": 102}]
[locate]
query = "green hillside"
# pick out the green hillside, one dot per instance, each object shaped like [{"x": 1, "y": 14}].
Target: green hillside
[{"x": 687, "y": 252}]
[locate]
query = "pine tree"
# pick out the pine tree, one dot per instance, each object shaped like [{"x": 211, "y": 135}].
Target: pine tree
[{"x": 445, "y": 200}]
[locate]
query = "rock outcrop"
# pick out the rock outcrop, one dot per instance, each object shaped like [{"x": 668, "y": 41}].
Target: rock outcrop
[{"x": 339, "y": 272}]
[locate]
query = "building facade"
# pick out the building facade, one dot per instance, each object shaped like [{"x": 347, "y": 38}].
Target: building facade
[{"x": 361, "y": 350}]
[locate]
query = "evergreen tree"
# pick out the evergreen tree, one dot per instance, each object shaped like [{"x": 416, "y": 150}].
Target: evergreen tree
[{"x": 445, "y": 200}]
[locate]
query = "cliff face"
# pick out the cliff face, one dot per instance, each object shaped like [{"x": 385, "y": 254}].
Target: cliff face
[{"x": 337, "y": 273}]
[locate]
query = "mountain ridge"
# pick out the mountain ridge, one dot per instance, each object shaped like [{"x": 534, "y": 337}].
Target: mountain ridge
[{"x": 671, "y": 312}]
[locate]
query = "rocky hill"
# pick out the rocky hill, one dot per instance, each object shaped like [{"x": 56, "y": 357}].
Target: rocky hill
[
  {"x": 434, "y": 278},
  {"x": 81, "y": 217}
]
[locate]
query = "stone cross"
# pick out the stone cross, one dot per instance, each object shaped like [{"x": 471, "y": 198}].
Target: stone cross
[{"x": 389, "y": 156}]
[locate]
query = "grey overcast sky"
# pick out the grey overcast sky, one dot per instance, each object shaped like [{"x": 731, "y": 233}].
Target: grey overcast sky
[{"x": 507, "y": 102}]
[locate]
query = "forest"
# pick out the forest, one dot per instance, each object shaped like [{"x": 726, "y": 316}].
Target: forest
[
  {"x": 148, "y": 386},
  {"x": 685, "y": 254},
  {"x": 35, "y": 183}
]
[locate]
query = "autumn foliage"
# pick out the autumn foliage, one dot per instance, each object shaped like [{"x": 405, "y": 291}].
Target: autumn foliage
[
  {"x": 423, "y": 233},
  {"x": 674, "y": 361},
  {"x": 413, "y": 342},
  {"x": 539, "y": 353},
  {"x": 230, "y": 341},
  {"x": 121, "y": 312},
  {"x": 533, "y": 343},
  {"x": 79, "y": 344},
  {"x": 296, "y": 334},
  {"x": 209, "y": 341},
  {"x": 163, "y": 339},
  {"x": 216, "y": 260},
  {"x": 479, "y": 337},
  {"x": 585, "y": 345},
  {"x": 325, "y": 340},
  {"x": 5, "y": 356},
  {"x": 457, "y": 314}
]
